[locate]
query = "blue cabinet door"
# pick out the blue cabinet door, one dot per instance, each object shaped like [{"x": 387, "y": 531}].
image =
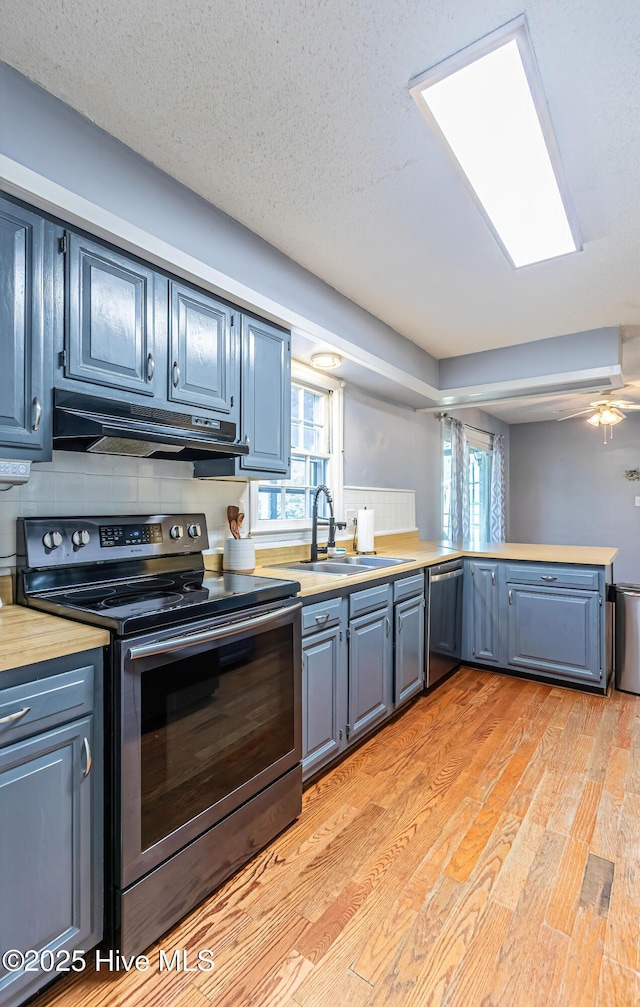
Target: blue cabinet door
[
  {"x": 370, "y": 671},
  {"x": 409, "y": 649},
  {"x": 25, "y": 334},
  {"x": 46, "y": 851},
  {"x": 485, "y": 612},
  {"x": 116, "y": 319},
  {"x": 324, "y": 678},
  {"x": 555, "y": 632},
  {"x": 266, "y": 398},
  {"x": 203, "y": 358}
]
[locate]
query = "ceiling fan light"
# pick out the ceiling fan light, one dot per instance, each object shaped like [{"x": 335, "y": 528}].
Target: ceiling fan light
[
  {"x": 594, "y": 420},
  {"x": 610, "y": 417}
]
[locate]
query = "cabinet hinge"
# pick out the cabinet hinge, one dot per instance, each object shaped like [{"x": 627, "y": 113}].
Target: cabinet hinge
[
  {"x": 232, "y": 320},
  {"x": 600, "y": 600},
  {"x": 341, "y": 732},
  {"x": 348, "y": 634},
  {"x": 62, "y": 358},
  {"x": 288, "y": 347},
  {"x": 473, "y": 651},
  {"x": 231, "y": 402},
  {"x": 348, "y": 730},
  {"x": 63, "y": 244},
  {"x": 473, "y": 570},
  {"x": 340, "y": 636}
]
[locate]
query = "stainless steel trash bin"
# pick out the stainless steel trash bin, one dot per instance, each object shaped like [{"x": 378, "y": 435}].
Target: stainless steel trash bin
[{"x": 627, "y": 653}]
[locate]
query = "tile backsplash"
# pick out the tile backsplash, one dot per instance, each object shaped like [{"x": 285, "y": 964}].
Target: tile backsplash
[
  {"x": 75, "y": 483},
  {"x": 395, "y": 510}
]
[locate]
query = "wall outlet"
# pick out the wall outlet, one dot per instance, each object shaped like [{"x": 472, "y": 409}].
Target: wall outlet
[
  {"x": 637, "y": 501},
  {"x": 350, "y": 518}
]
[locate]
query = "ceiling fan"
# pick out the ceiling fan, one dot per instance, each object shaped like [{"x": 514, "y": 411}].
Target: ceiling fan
[{"x": 605, "y": 413}]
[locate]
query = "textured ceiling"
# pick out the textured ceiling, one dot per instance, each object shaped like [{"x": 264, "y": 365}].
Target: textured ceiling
[{"x": 296, "y": 120}]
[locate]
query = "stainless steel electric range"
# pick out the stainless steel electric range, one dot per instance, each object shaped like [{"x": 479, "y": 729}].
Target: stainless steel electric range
[{"x": 202, "y": 699}]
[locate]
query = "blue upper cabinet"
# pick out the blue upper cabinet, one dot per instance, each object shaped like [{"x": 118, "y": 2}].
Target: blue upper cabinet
[
  {"x": 265, "y": 414},
  {"x": 266, "y": 397},
  {"x": 116, "y": 319},
  {"x": 203, "y": 359},
  {"x": 25, "y": 331}
]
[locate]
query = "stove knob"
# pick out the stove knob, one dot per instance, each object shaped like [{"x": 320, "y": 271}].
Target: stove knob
[
  {"x": 52, "y": 539},
  {"x": 80, "y": 538},
  {"x": 176, "y": 531},
  {"x": 194, "y": 531}
]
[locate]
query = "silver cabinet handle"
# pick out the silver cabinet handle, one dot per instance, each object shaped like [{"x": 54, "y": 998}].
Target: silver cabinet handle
[
  {"x": 151, "y": 367},
  {"x": 15, "y": 716},
  {"x": 176, "y": 374},
  {"x": 387, "y": 623},
  {"x": 511, "y": 597},
  {"x": 37, "y": 412},
  {"x": 400, "y": 623},
  {"x": 547, "y": 577},
  {"x": 322, "y": 618},
  {"x": 87, "y": 756},
  {"x": 493, "y": 578}
]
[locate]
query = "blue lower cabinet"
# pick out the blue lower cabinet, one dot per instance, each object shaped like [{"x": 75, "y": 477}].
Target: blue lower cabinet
[
  {"x": 51, "y": 820},
  {"x": 409, "y": 623},
  {"x": 324, "y": 684},
  {"x": 483, "y": 638},
  {"x": 370, "y": 670},
  {"x": 555, "y": 632},
  {"x": 46, "y": 869}
]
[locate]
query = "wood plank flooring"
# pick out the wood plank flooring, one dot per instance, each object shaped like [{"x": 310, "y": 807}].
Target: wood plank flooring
[{"x": 480, "y": 851}]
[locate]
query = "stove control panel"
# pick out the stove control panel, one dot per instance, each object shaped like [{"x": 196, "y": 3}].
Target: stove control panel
[{"x": 43, "y": 542}]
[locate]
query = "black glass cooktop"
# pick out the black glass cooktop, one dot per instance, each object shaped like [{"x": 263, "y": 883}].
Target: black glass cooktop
[{"x": 140, "y": 603}]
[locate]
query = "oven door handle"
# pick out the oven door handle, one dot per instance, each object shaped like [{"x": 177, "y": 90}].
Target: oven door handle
[{"x": 207, "y": 636}]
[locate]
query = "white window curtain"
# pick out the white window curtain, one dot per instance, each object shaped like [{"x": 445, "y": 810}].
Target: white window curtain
[
  {"x": 498, "y": 494},
  {"x": 459, "y": 517}
]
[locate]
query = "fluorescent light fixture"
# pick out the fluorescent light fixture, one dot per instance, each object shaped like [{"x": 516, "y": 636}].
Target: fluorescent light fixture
[
  {"x": 326, "y": 361},
  {"x": 488, "y": 104}
]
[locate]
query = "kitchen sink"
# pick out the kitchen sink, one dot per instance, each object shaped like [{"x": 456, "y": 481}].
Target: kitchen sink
[
  {"x": 369, "y": 561},
  {"x": 345, "y": 566}
]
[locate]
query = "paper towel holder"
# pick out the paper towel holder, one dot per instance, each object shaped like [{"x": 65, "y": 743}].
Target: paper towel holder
[{"x": 361, "y": 552}]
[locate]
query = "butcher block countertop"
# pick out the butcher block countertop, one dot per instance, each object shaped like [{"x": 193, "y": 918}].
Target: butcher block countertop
[
  {"x": 419, "y": 554},
  {"x": 27, "y": 636}
]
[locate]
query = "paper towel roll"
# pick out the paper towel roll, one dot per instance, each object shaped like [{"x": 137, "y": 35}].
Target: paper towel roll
[{"x": 365, "y": 531}]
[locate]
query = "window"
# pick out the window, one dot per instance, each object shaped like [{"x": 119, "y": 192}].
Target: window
[
  {"x": 476, "y": 490},
  {"x": 316, "y": 457}
]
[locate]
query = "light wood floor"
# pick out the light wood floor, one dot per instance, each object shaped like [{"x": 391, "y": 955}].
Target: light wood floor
[{"x": 481, "y": 850}]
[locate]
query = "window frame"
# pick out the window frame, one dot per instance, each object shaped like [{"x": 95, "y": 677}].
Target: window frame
[{"x": 300, "y": 528}]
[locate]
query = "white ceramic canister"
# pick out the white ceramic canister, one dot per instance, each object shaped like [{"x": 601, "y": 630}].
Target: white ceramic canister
[{"x": 239, "y": 555}]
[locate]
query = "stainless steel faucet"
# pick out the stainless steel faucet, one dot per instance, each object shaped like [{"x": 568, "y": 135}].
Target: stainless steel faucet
[{"x": 331, "y": 521}]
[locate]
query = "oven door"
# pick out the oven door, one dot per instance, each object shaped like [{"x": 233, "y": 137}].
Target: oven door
[{"x": 209, "y": 715}]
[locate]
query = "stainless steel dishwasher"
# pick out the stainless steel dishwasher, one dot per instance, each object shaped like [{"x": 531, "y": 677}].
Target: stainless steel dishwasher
[
  {"x": 627, "y": 653},
  {"x": 445, "y": 619}
]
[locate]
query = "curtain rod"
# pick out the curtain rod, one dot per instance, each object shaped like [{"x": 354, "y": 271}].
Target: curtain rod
[{"x": 446, "y": 416}]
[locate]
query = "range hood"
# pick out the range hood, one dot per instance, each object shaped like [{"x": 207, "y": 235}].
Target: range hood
[{"x": 103, "y": 426}]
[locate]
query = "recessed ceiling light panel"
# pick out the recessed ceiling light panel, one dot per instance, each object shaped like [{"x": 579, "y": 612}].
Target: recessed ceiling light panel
[{"x": 488, "y": 104}]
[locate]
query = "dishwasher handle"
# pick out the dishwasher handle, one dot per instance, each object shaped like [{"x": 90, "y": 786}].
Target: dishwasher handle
[{"x": 439, "y": 577}]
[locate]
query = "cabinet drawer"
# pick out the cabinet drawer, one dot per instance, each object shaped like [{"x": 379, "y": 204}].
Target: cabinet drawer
[
  {"x": 321, "y": 616},
  {"x": 361, "y": 602},
  {"x": 409, "y": 587},
  {"x": 47, "y": 702},
  {"x": 553, "y": 575}
]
